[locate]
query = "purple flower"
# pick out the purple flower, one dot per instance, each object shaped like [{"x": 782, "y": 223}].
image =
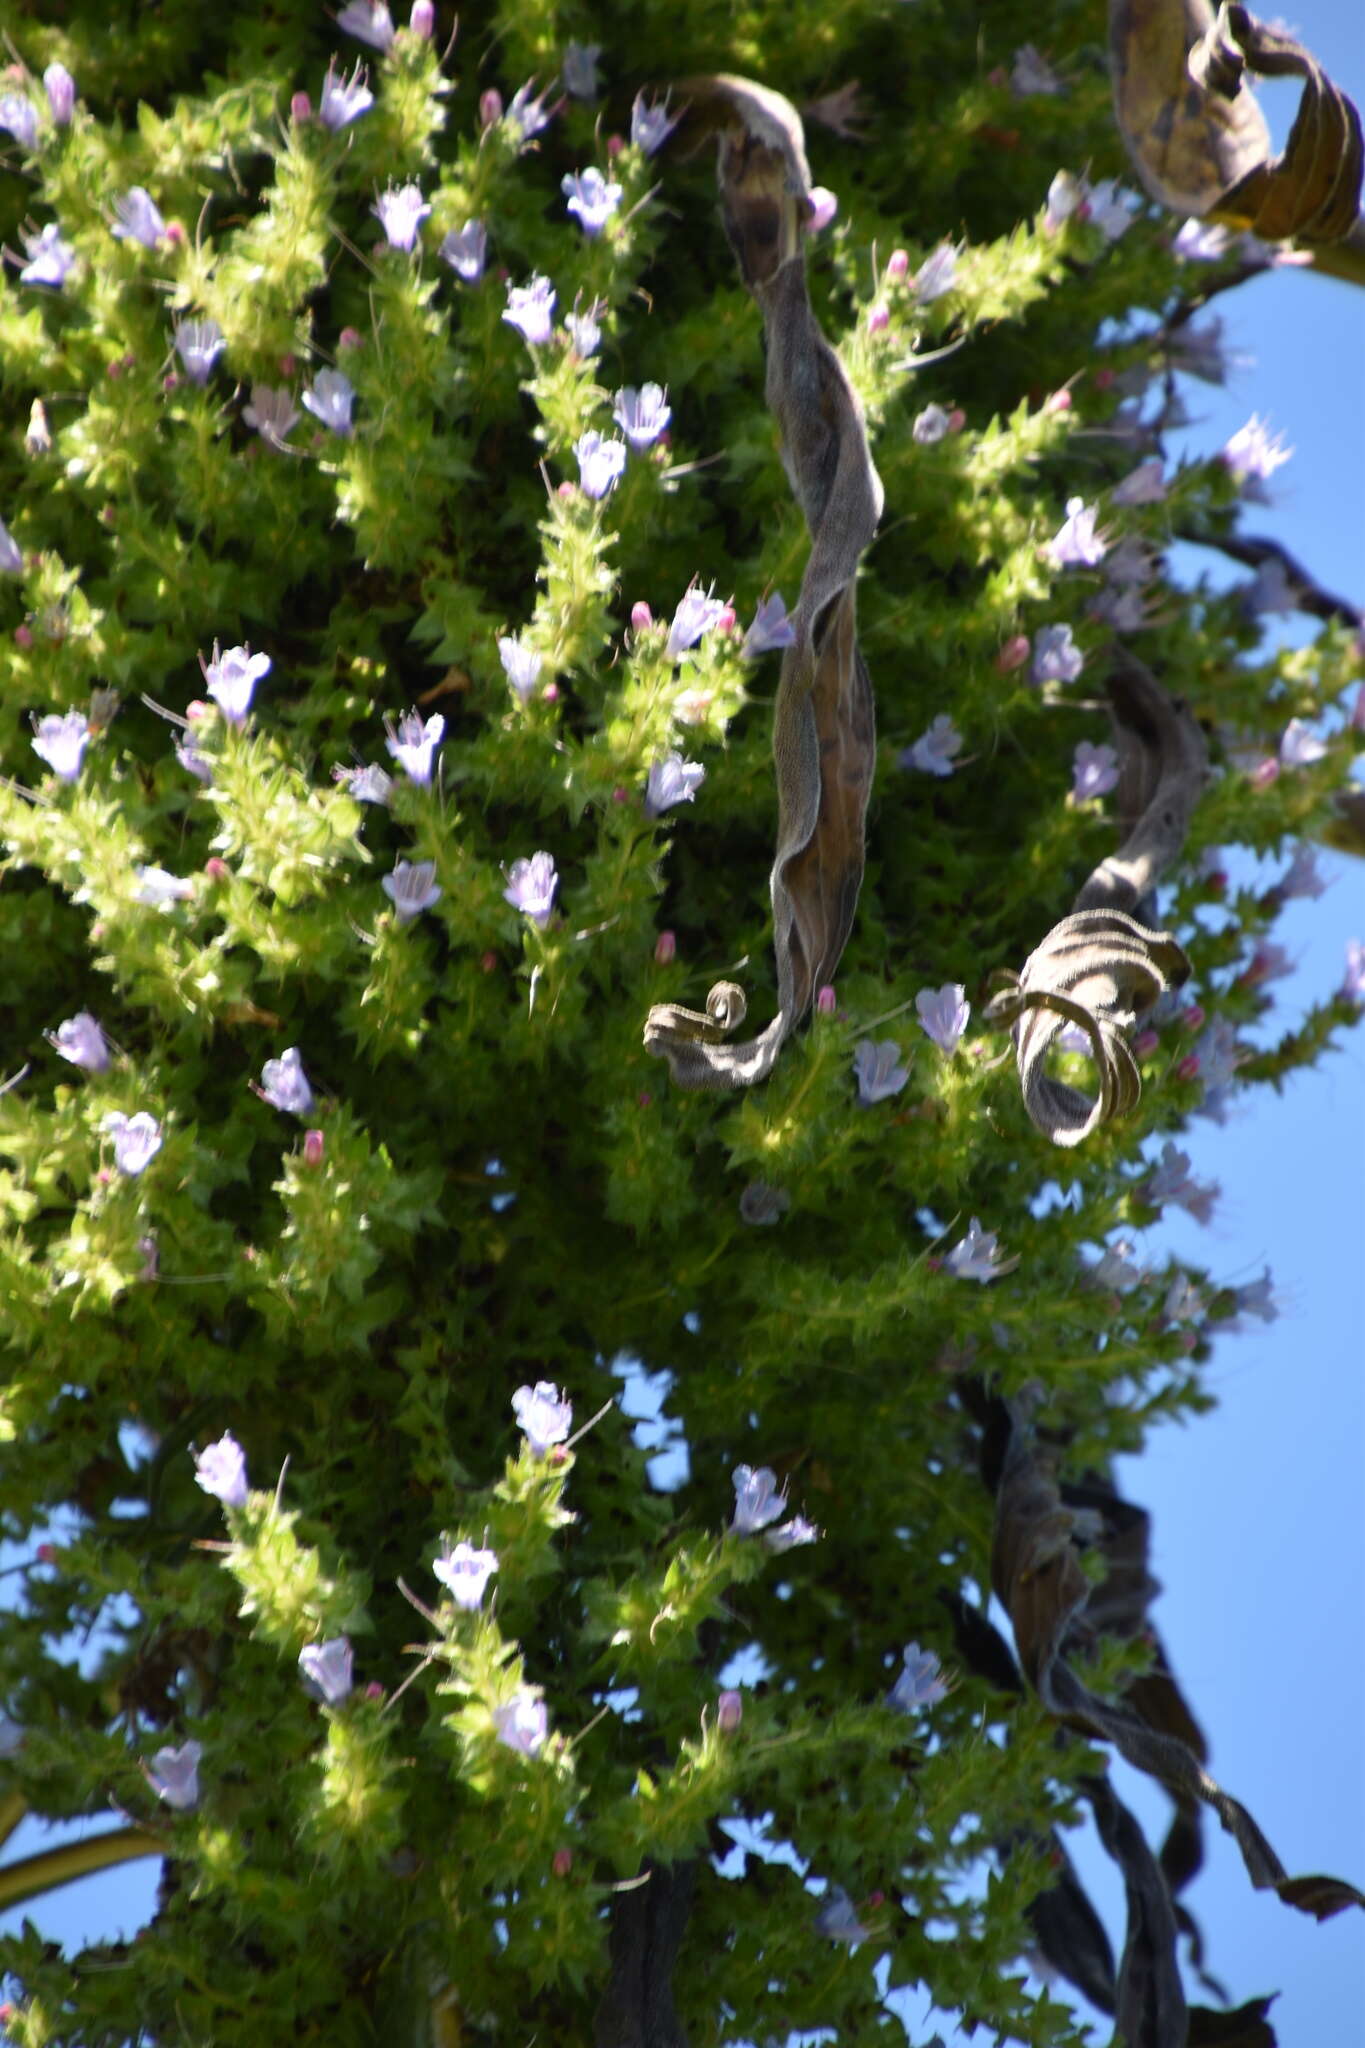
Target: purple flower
[
  {"x": 791, "y": 1535},
  {"x": 49, "y": 257},
  {"x": 329, "y": 398},
  {"x": 1184, "y": 1303},
  {"x": 1130, "y": 564},
  {"x": 198, "y": 343},
  {"x": 81, "y": 1041},
  {"x": 1108, "y": 209},
  {"x": 579, "y": 70},
  {"x": 465, "y": 1571},
  {"x": 1299, "y": 747},
  {"x": 232, "y": 678},
  {"x": 344, "y": 99},
  {"x": 326, "y": 1669},
  {"x": 1257, "y": 1299},
  {"x": 1032, "y": 74},
  {"x": 1056, "y": 657},
  {"x": 400, "y": 211},
  {"x": 137, "y": 1139},
  {"x": 20, "y": 116},
  {"x": 466, "y": 250},
  {"x": 1094, "y": 771},
  {"x": 413, "y": 746},
  {"x": 544, "y": 1416},
  {"x": 936, "y": 275},
  {"x": 526, "y": 116},
  {"x": 1077, "y": 544},
  {"x": 1172, "y": 1181},
  {"x": 1198, "y": 350},
  {"x": 918, "y": 1684},
  {"x": 369, "y": 21},
  {"x": 1218, "y": 1053},
  {"x": 11, "y": 554},
  {"x": 1301, "y": 877},
  {"x": 521, "y": 665},
  {"x": 193, "y": 760},
  {"x": 934, "y": 751},
  {"x": 1145, "y": 485},
  {"x": 878, "y": 1071},
  {"x": 368, "y": 785},
  {"x": 591, "y": 197},
  {"x": 729, "y": 1711},
  {"x": 838, "y": 1920},
  {"x": 600, "y": 463},
  {"x": 139, "y": 218},
  {"x": 1201, "y": 241},
  {"x": 1116, "y": 1271},
  {"x": 943, "y": 1013},
  {"x": 771, "y": 629},
  {"x": 522, "y": 1722},
  {"x": 60, "y": 739},
  {"x": 284, "y": 1085},
  {"x": 931, "y": 425},
  {"x": 759, "y": 1501},
  {"x": 156, "y": 887},
  {"x": 221, "y": 1470},
  {"x": 1269, "y": 591},
  {"x": 697, "y": 613},
  {"x": 411, "y": 888},
  {"x": 1353, "y": 985},
  {"x": 650, "y": 126},
  {"x": 530, "y": 309},
  {"x": 531, "y": 886},
  {"x": 272, "y": 413},
  {"x": 584, "y": 331},
  {"x": 1251, "y": 458},
  {"x": 173, "y": 1775},
  {"x": 642, "y": 415},
  {"x": 671, "y": 781},
  {"x": 60, "y": 87},
  {"x": 977, "y": 1257}
]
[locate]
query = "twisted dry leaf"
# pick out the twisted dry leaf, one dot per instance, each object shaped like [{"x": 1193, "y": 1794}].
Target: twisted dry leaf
[
  {"x": 823, "y": 726},
  {"x": 1199, "y": 141}
]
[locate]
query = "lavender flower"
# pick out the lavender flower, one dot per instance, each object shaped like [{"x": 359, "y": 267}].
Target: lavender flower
[
  {"x": 1064, "y": 195},
  {"x": 592, "y": 197},
  {"x": 139, "y": 218},
  {"x": 521, "y": 665},
  {"x": 671, "y": 781},
  {"x": 931, "y": 425},
  {"x": 697, "y": 613},
  {"x": 329, "y": 398},
  {"x": 20, "y": 116},
  {"x": 11, "y": 554},
  {"x": 198, "y": 343},
  {"x": 771, "y": 629},
  {"x": 758, "y": 1500},
  {"x": 173, "y": 1775},
  {"x": 194, "y": 760},
  {"x": 284, "y": 1085},
  {"x": 1201, "y": 241},
  {"x": 977, "y": 1257},
  {"x": 1145, "y": 485},
  {"x": 49, "y": 257},
  {"x": 60, "y": 88},
  {"x": 600, "y": 463},
  {"x": 466, "y": 250},
  {"x": 344, "y": 99},
  {"x": 1184, "y": 1303},
  {"x": 157, "y": 888},
  {"x": 326, "y": 1669},
  {"x": 1353, "y": 983},
  {"x": 1251, "y": 458},
  {"x": 530, "y": 309},
  {"x": 531, "y": 886},
  {"x": 1116, "y": 1271},
  {"x": 934, "y": 751},
  {"x": 1172, "y": 1181},
  {"x": 792, "y": 1535},
  {"x": 369, "y": 21},
  {"x": 1299, "y": 747},
  {"x": 80, "y": 1040},
  {"x": 413, "y": 746},
  {"x": 1107, "y": 205},
  {"x": 936, "y": 275},
  {"x": 1197, "y": 349},
  {"x": 370, "y": 784},
  {"x": 878, "y": 1071},
  {"x": 272, "y": 413},
  {"x": 642, "y": 415},
  {"x": 838, "y": 1920},
  {"x": 650, "y": 126},
  {"x": 1077, "y": 544},
  {"x": 919, "y": 1683},
  {"x": 1030, "y": 74},
  {"x": 232, "y": 678},
  {"x": 1094, "y": 771},
  {"x": 544, "y": 1416},
  {"x": 522, "y": 1722},
  {"x": 579, "y": 70},
  {"x": 1256, "y": 1299},
  {"x": 1056, "y": 657},
  {"x": 526, "y": 116},
  {"x": 60, "y": 739},
  {"x": 943, "y": 1013},
  {"x": 400, "y": 211},
  {"x": 411, "y": 888},
  {"x": 1301, "y": 877},
  {"x": 221, "y": 1471},
  {"x": 584, "y": 331},
  {"x": 465, "y": 1572},
  {"x": 137, "y": 1139}
]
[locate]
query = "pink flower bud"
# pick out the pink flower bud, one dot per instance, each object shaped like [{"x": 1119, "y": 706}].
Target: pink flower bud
[
  {"x": 350, "y": 337},
  {"x": 287, "y": 366},
  {"x": 23, "y": 636},
  {"x": 725, "y": 620},
  {"x": 197, "y": 709},
  {"x": 875, "y": 1899},
  {"x": 957, "y": 420},
  {"x": 641, "y": 617},
  {"x": 46, "y": 1553},
  {"x": 567, "y": 491},
  {"x": 825, "y": 999},
  {"x": 1058, "y": 401},
  {"x": 1187, "y": 1068},
  {"x": 314, "y": 1145},
  {"x": 1104, "y": 380},
  {"x": 216, "y": 869},
  {"x": 643, "y": 1099},
  {"x": 1013, "y": 654},
  {"x": 1144, "y": 1043},
  {"x": 615, "y": 144},
  {"x": 300, "y": 108},
  {"x": 170, "y": 382},
  {"x": 620, "y": 795},
  {"x": 550, "y": 693},
  {"x": 561, "y": 1863},
  {"x": 422, "y": 20},
  {"x": 1264, "y": 773},
  {"x": 374, "y": 1690},
  {"x": 897, "y": 264},
  {"x": 666, "y": 948},
  {"x": 490, "y": 107},
  {"x": 175, "y": 233},
  {"x": 877, "y": 319},
  {"x": 824, "y": 204},
  {"x": 488, "y": 963},
  {"x": 729, "y": 1712},
  {"x": 1193, "y": 1019}
]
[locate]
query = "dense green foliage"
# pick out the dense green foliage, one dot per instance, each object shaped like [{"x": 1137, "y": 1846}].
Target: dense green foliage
[{"x": 505, "y": 1190}]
